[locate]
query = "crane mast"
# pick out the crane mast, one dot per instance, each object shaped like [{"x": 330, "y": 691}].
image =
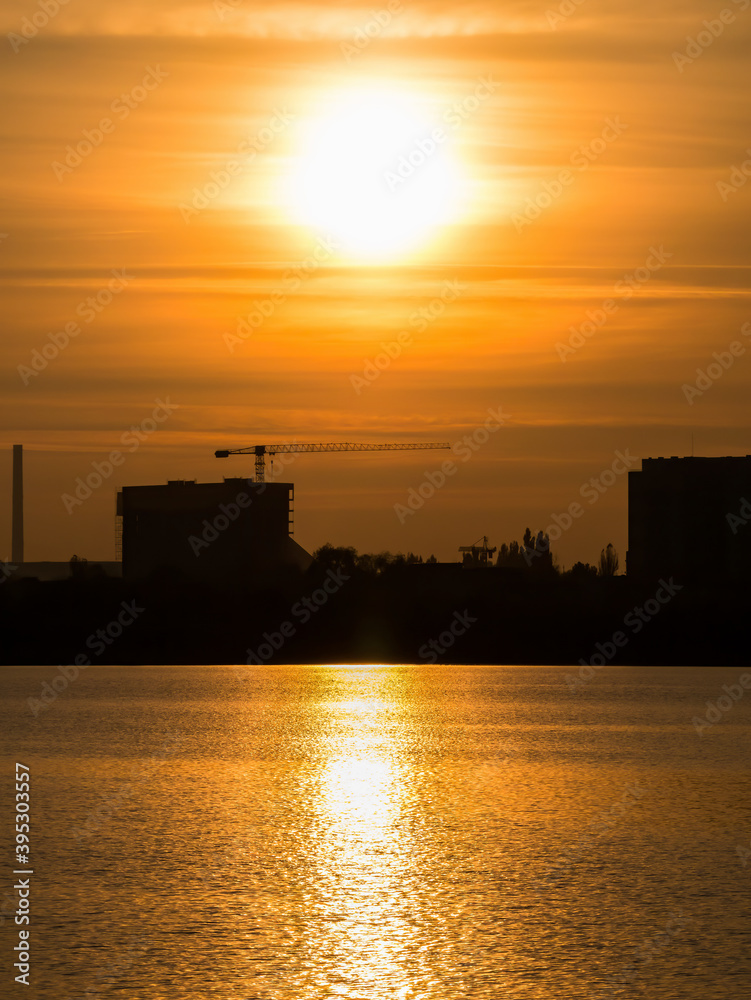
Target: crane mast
[{"x": 262, "y": 450}]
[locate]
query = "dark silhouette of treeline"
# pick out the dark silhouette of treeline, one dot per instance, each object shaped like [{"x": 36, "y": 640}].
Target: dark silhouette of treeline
[{"x": 350, "y": 607}]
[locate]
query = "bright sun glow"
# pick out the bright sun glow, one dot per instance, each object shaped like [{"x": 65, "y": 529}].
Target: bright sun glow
[{"x": 371, "y": 174}]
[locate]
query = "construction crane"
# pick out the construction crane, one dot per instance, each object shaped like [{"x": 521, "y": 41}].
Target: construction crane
[
  {"x": 479, "y": 555},
  {"x": 262, "y": 450}
]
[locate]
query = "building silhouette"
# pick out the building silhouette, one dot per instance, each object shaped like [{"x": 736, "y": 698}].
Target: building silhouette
[
  {"x": 227, "y": 532},
  {"x": 685, "y": 519}
]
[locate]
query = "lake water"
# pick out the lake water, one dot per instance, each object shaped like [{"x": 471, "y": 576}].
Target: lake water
[{"x": 383, "y": 832}]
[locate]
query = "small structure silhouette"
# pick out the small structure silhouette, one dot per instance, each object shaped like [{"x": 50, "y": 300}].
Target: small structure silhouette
[{"x": 479, "y": 554}]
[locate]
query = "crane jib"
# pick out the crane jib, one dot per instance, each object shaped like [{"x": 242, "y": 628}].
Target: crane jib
[{"x": 261, "y": 450}]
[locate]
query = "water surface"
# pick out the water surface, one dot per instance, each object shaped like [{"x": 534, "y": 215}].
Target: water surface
[{"x": 385, "y": 831}]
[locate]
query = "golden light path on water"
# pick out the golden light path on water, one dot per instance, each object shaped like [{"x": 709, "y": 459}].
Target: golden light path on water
[
  {"x": 387, "y": 815},
  {"x": 363, "y": 862}
]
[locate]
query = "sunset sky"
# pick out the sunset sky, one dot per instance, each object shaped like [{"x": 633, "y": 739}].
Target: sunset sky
[{"x": 582, "y": 158}]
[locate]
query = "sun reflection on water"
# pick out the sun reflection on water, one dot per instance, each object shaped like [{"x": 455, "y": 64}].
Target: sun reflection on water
[
  {"x": 364, "y": 921},
  {"x": 360, "y": 793}
]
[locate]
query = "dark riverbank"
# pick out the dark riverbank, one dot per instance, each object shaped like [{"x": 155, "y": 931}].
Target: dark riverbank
[{"x": 440, "y": 614}]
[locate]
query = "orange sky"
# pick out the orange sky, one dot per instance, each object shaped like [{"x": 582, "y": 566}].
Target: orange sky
[{"x": 185, "y": 86}]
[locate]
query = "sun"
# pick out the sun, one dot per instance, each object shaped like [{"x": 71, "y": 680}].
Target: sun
[{"x": 375, "y": 174}]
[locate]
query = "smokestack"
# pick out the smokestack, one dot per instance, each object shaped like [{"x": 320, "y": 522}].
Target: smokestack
[{"x": 17, "y": 546}]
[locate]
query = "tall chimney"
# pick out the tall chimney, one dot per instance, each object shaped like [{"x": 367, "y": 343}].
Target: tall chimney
[{"x": 17, "y": 545}]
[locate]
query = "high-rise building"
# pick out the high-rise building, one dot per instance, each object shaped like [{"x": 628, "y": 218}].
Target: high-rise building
[
  {"x": 685, "y": 518},
  {"x": 232, "y": 531}
]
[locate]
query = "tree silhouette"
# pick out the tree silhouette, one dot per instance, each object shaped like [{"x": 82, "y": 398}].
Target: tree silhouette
[
  {"x": 528, "y": 541},
  {"x": 608, "y": 564},
  {"x": 510, "y": 555},
  {"x": 544, "y": 560},
  {"x": 348, "y": 559},
  {"x": 336, "y": 557},
  {"x": 533, "y": 553},
  {"x": 582, "y": 571}
]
